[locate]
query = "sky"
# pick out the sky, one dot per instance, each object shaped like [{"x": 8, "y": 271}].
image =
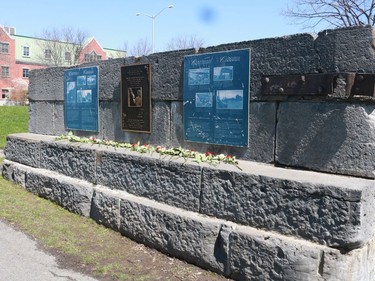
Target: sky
[{"x": 114, "y": 22}]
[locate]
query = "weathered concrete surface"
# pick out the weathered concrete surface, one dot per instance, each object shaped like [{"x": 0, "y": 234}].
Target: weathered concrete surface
[{"x": 330, "y": 137}]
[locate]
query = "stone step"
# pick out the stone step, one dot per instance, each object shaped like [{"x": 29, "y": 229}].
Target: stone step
[
  {"x": 332, "y": 210},
  {"x": 237, "y": 251}
]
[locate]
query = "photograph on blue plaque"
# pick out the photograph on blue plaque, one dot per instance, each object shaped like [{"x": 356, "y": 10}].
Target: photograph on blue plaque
[
  {"x": 216, "y": 98},
  {"x": 81, "y": 99},
  {"x": 136, "y": 98}
]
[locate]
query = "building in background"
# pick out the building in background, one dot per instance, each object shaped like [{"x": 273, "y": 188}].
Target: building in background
[{"x": 21, "y": 54}]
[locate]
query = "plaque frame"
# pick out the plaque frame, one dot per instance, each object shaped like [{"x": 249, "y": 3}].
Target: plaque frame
[
  {"x": 135, "y": 90},
  {"x": 216, "y": 99},
  {"x": 81, "y": 99}
]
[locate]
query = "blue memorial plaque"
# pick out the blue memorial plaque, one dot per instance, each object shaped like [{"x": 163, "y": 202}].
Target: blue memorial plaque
[
  {"x": 81, "y": 98},
  {"x": 216, "y": 98}
]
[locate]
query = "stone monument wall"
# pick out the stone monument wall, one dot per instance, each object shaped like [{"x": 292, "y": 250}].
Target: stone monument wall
[
  {"x": 305, "y": 211},
  {"x": 332, "y": 133}
]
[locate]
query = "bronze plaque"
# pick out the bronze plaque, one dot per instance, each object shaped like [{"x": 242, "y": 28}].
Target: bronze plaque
[{"x": 136, "y": 98}]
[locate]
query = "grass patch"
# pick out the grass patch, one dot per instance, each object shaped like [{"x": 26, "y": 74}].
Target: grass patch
[
  {"x": 82, "y": 244},
  {"x": 13, "y": 119}
]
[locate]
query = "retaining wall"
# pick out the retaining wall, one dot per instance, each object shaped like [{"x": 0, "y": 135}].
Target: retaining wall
[{"x": 258, "y": 223}]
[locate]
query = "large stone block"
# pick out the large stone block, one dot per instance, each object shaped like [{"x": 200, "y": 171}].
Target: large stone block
[
  {"x": 14, "y": 173},
  {"x": 331, "y": 210},
  {"x": 262, "y": 257},
  {"x": 346, "y": 49},
  {"x": 47, "y": 84},
  {"x": 105, "y": 208},
  {"x": 75, "y": 195},
  {"x": 284, "y": 55},
  {"x": 41, "y": 117},
  {"x": 182, "y": 234},
  {"x": 167, "y": 74},
  {"x": 164, "y": 180},
  {"x": 326, "y": 136},
  {"x": 77, "y": 161},
  {"x": 171, "y": 182},
  {"x": 24, "y": 149},
  {"x": 110, "y": 79},
  {"x": 41, "y": 183}
]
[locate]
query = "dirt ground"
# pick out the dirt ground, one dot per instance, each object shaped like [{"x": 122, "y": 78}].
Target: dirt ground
[{"x": 136, "y": 262}]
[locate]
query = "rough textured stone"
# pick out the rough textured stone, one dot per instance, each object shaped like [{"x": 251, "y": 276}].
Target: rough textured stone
[
  {"x": 262, "y": 123},
  {"x": 23, "y": 150},
  {"x": 327, "y": 209},
  {"x": 190, "y": 237},
  {"x": 41, "y": 117},
  {"x": 346, "y": 49},
  {"x": 110, "y": 79},
  {"x": 75, "y": 195},
  {"x": 77, "y": 161},
  {"x": 13, "y": 173},
  {"x": 47, "y": 84},
  {"x": 44, "y": 185},
  {"x": 284, "y": 55},
  {"x": 167, "y": 74},
  {"x": 261, "y": 257},
  {"x": 240, "y": 252},
  {"x": 330, "y": 137},
  {"x": 174, "y": 183},
  {"x": 105, "y": 208}
]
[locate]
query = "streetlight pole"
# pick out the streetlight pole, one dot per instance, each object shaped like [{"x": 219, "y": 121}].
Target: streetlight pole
[{"x": 152, "y": 17}]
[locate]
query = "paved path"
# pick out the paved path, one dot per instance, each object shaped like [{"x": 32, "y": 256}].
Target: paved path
[{"x": 21, "y": 260}]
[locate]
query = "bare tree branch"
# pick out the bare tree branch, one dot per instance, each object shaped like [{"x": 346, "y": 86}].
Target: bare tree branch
[
  {"x": 141, "y": 48},
  {"x": 336, "y": 13},
  {"x": 185, "y": 42},
  {"x": 62, "y": 46}
]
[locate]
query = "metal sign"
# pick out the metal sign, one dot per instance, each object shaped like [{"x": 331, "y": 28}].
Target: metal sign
[
  {"x": 81, "y": 99},
  {"x": 136, "y": 98},
  {"x": 216, "y": 98}
]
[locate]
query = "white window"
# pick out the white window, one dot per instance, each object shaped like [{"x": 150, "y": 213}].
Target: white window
[
  {"x": 68, "y": 56},
  {"x": 47, "y": 54},
  {"x": 26, "y": 51},
  {"x": 5, "y": 71},
  {"x": 4, "y": 47},
  {"x": 92, "y": 57},
  {"x": 25, "y": 72},
  {"x": 5, "y": 94}
]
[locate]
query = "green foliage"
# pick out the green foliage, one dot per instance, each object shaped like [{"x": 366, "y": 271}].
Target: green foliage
[
  {"x": 180, "y": 152},
  {"x": 13, "y": 119}
]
